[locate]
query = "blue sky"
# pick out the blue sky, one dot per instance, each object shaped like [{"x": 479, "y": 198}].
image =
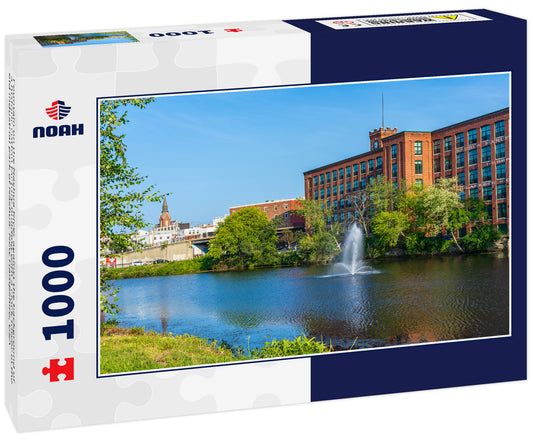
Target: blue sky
[{"x": 214, "y": 151}]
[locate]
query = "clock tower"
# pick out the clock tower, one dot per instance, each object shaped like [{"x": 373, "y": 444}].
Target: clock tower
[{"x": 378, "y": 134}]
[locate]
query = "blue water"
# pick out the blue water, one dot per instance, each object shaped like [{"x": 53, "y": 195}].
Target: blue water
[{"x": 409, "y": 301}]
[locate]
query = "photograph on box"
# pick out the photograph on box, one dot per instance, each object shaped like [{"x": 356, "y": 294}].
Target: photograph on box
[
  {"x": 280, "y": 222},
  {"x": 89, "y": 38}
]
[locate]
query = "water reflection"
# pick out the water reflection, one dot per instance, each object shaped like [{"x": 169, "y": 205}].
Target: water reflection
[{"x": 411, "y": 301}]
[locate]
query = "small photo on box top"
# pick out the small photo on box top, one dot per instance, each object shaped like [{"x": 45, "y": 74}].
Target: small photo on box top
[
  {"x": 269, "y": 223},
  {"x": 90, "y": 38}
]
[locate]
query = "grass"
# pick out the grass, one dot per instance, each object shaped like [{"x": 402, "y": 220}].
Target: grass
[
  {"x": 127, "y": 350},
  {"x": 194, "y": 265},
  {"x": 134, "y": 349}
]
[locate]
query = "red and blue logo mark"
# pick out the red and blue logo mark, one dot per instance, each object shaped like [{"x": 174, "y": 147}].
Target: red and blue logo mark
[{"x": 58, "y": 110}]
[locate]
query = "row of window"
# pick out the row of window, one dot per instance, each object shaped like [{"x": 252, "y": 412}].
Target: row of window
[
  {"x": 486, "y": 156},
  {"x": 501, "y": 209},
  {"x": 417, "y": 151},
  {"x": 472, "y": 135},
  {"x": 343, "y": 188},
  {"x": 341, "y": 173}
]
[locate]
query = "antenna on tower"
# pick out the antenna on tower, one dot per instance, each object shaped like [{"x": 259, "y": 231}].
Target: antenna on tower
[{"x": 382, "y": 111}]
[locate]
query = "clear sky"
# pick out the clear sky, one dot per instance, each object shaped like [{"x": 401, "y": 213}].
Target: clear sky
[{"x": 218, "y": 150}]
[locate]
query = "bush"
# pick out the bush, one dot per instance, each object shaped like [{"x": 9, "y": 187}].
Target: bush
[
  {"x": 285, "y": 348},
  {"x": 481, "y": 238}
]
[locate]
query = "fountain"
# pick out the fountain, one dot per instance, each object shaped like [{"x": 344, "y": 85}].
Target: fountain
[{"x": 353, "y": 253}]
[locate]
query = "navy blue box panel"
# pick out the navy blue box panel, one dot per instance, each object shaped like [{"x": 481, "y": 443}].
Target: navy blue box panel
[{"x": 351, "y": 55}]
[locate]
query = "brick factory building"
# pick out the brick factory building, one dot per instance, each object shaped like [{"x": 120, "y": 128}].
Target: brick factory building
[
  {"x": 284, "y": 209},
  {"x": 475, "y": 151}
]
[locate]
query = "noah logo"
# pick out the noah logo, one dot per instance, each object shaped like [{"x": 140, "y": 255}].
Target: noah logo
[{"x": 57, "y": 111}]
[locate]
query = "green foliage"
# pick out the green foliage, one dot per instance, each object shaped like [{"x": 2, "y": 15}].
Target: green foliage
[
  {"x": 285, "y": 348},
  {"x": 244, "y": 239},
  {"x": 387, "y": 227},
  {"x": 481, "y": 238},
  {"x": 320, "y": 242},
  {"x": 122, "y": 190}
]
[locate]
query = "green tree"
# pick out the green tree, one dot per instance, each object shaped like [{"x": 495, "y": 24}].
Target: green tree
[
  {"x": 122, "y": 190},
  {"x": 321, "y": 241},
  {"x": 388, "y": 227},
  {"x": 245, "y": 238},
  {"x": 442, "y": 208}
]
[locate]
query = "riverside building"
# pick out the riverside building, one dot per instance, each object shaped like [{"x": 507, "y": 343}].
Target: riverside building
[{"x": 475, "y": 151}]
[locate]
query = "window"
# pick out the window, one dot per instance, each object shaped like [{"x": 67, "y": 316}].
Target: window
[
  {"x": 334, "y": 175},
  {"x": 501, "y": 191},
  {"x": 371, "y": 165},
  {"x": 394, "y": 151},
  {"x": 363, "y": 168},
  {"x": 316, "y": 180},
  {"x": 459, "y": 140},
  {"x": 335, "y": 217},
  {"x": 328, "y": 177},
  {"x": 418, "y": 148},
  {"x": 500, "y": 129},
  {"x": 328, "y": 204},
  {"x": 500, "y": 150},
  {"x": 500, "y": 171},
  {"x": 485, "y": 133},
  {"x": 487, "y": 176},
  {"x": 485, "y": 153},
  {"x": 473, "y": 176},
  {"x": 355, "y": 184},
  {"x": 418, "y": 167},
  {"x": 436, "y": 165},
  {"x": 462, "y": 196},
  {"x": 487, "y": 193},
  {"x": 447, "y": 143},
  {"x": 436, "y": 147},
  {"x": 286, "y": 206},
  {"x": 460, "y": 160},
  {"x": 502, "y": 228},
  {"x": 461, "y": 178},
  {"x": 321, "y": 193},
  {"x": 349, "y": 172},
  {"x": 474, "y": 193},
  {"x": 394, "y": 170},
  {"x": 348, "y": 203},
  {"x": 502, "y": 210},
  {"x": 379, "y": 163},
  {"x": 472, "y": 136},
  {"x": 448, "y": 163},
  {"x": 341, "y": 189},
  {"x": 334, "y": 190},
  {"x": 419, "y": 181},
  {"x": 488, "y": 208},
  {"x": 342, "y": 216},
  {"x": 348, "y": 187},
  {"x": 355, "y": 169},
  {"x": 341, "y": 203},
  {"x": 472, "y": 157},
  {"x": 335, "y": 204},
  {"x": 363, "y": 183},
  {"x": 341, "y": 174},
  {"x": 328, "y": 192},
  {"x": 275, "y": 208},
  {"x": 322, "y": 179},
  {"x": 316, "y": 194}
]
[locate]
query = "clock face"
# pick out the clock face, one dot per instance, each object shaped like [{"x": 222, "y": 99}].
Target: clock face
[{"x": 376, "y": 144}]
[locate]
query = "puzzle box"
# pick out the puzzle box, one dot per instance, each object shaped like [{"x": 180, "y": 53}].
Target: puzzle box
[{"x": 198, "y": 220}]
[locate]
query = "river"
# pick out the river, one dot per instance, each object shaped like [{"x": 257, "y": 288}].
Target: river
[{"x": 409, "y": 301}]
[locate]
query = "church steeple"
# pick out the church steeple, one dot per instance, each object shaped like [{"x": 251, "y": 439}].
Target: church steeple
[{"x": 164, "y": 217}]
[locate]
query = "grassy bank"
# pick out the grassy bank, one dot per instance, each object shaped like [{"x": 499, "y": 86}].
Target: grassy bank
[
  {"x": 194, "y": 265},
  {"x": 127, "y": 350}
]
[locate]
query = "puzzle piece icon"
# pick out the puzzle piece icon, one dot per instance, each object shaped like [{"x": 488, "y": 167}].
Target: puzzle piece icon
[{"x": 56, "y": 369}]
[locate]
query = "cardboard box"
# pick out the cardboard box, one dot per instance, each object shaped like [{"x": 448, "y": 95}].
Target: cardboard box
[{"x": 224, "y": 117}]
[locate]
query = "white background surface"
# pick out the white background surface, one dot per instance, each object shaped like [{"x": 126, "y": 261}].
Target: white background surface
[{"x": 487, "y": 414}]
